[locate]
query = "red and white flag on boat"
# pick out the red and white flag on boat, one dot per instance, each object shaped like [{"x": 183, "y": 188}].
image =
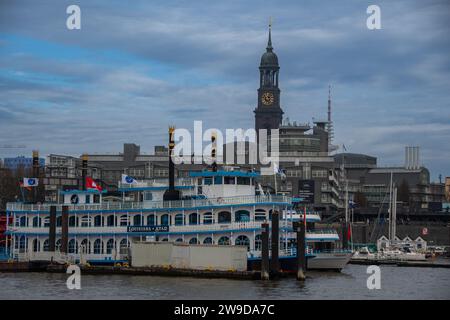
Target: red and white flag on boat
[
  {"x": 91, "y": 184},
  {"x": 349, "y": 232}
]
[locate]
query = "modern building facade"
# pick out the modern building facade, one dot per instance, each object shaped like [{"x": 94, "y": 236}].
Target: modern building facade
[
  {"x": 21, "y": 162},
  {"x": 369, "y": 184},
  {"x": 447, "y": 189}
]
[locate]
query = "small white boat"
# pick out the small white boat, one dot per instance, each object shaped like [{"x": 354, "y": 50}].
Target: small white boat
[
  {"x": 364, "y": 254},
  {"x": 401, "y": 255}
]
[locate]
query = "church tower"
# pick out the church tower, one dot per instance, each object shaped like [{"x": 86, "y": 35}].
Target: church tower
[{"x": 268, "y": 113}]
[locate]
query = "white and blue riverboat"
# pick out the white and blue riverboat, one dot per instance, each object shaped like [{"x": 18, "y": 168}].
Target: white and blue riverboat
[{"x": 214, "y": 207}]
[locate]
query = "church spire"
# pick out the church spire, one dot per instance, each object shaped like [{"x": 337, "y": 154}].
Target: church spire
[{"x": 269, "y": 43}]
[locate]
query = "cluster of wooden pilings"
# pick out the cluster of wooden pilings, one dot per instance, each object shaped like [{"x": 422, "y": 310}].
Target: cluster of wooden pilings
[{"x": 270, "y": 266}]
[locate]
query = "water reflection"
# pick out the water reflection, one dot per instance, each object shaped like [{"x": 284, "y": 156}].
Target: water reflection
[{"x": 396, "y": 282}]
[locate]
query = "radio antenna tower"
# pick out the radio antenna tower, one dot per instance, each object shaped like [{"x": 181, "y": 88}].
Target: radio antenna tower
[{"x": 330, "y": 122}]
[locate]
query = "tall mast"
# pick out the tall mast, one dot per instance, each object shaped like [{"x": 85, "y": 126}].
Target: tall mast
[
  {"x": 330, "y": 122},
  {"x": 390, "y": 210}
]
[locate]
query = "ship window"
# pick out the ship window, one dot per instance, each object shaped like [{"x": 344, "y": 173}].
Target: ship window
[
  {"x": 179, "y": 220},
  {"x": 193, "y": 241},
  {"x": 224, "y": 241},
  {"x": 36, "y": 245},
  {"x": 88, "y": 198},
  {"x": 148, "y": 196},
  {"x": 36, "y": 222},
  {"x": 218, "y": 180},
  {"x": 46, "y": 221},
  {"x": 86, "y": 246},
  {"x": 86, "y": 221},
  {"x": 59, "y": 221},
  {"x": 165, "y": 219},
  {"x": 243, "y": 241},
  {"x": 260, "y": 215},
  {"x": 98, "y": 246},
  {"x": 193, "y": 218},
  {"x": 73, "y": 221},
  {"x": 258, "y": 242},
  {"x": 242, "y": 216},
  {"x": 151, "y": 220},
  {"x": 243, "y": 181},
  {"x": 22, "y": 244},
  {"x": 208, "y": 218},
  {"x": 179, "y": 240},
  {"x": 110, "y": 245},
  {"x": 137, "y": 220},
  {"x": 23, "y": 221},
  {"x": 124, "y": 244},
  {"x": 229, "y": 180},
  {"x": 224, "y": 217},
  {"x": 207, "y": 181},
  {"x": 46, "y": 245},
  {"x": 73, "y": 246},
  {"x": 208, "y": 240},
  {"x": 110, "y": 221},
  {"x": 98, "y": 221},
  {"x": 123, "y": 220}
]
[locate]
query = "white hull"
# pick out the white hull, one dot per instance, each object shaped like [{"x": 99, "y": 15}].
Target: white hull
[
  {"x": 404, "y": 257},
  {"x": 329, "y": 261},
  {"x": 391, "y": 257}
]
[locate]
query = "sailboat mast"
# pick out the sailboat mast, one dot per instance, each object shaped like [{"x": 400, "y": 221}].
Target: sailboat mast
[
  {"x": 394, "y": 214},
  {"x": 390, "y": 211}
]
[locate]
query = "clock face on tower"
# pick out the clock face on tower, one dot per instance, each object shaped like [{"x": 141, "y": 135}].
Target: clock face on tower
[{"x": 267, "y": 98}]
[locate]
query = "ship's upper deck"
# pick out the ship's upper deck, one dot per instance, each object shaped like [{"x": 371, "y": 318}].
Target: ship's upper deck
[{"x": 218, "y": 202}]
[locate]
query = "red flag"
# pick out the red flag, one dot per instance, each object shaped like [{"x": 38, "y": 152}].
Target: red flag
[
  {"x": 21, "y": 185},
  {"x": 91, "y": 184}
]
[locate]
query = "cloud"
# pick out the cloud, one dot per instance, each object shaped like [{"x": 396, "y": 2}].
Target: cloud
[{"x": 132, "y": 70}]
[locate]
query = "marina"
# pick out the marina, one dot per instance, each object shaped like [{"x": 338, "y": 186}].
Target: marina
[{"x": 191, "y": 150}]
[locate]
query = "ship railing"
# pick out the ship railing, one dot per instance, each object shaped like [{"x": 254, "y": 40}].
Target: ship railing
[
  {"x": 321, "y": 231},
  {"x": 330, "y": 251},
  {"x": 299, "y": 216},
  {"x": 254, "y": 225},
  {"x": 157, "y": 183},
  {"x": 285, "y": 252},
  {"x": 225, "y": 226},
  {"x": 178, "y": 204}
]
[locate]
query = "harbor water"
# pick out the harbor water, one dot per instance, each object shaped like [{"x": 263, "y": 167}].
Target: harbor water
[{"x": 351, "y": 283}]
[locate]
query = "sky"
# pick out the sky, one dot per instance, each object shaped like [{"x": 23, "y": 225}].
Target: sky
[{"x": 134, "y": 68}]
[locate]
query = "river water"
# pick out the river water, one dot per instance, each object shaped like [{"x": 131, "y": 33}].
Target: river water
[{"x": 396, "y": 283}]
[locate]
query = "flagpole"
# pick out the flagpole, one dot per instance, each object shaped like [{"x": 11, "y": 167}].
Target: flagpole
[
  {"x": 351, "y": 226},
  {"x": 21, "y": 191},
  {"x": 275, "y": 177}
]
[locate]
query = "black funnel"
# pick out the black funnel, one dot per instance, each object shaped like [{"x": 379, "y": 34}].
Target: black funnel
[{"x": 171, "y": 194}]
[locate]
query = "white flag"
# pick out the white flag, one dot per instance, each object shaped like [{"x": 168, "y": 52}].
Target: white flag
[
  {"x": 276, "y": 169},
  {"x": 30, "y": 182},
  {"x": 128, "y": 180}
]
